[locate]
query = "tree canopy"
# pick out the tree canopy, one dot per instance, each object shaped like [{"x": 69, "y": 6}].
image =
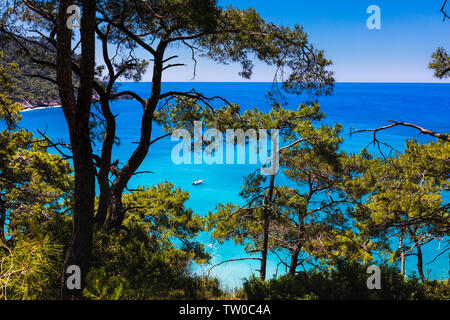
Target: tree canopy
[{"x": 143, "y": 243}]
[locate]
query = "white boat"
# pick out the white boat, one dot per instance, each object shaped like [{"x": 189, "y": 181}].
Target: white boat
[{"x": 197, "y": 182}]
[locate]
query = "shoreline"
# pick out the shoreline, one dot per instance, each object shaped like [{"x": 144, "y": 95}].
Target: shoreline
[
  {"x": 40, "y": 108},
  {"x": 27, "y": 106}
]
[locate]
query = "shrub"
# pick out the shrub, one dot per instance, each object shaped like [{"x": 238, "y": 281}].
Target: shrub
[
  {"x": 347, "y": 281},
  {"x": 130, "y": 265},
  {"x": 31, "y": 269}
]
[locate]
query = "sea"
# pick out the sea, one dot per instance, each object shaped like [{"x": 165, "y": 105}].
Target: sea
[{"x": 354, "y": 105}]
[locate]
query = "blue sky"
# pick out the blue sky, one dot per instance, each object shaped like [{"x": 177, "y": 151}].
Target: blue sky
[{"x": 399, "y": 52}]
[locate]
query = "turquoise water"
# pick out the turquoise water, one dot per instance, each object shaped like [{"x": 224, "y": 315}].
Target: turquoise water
[{"x": 353, "y": 105}]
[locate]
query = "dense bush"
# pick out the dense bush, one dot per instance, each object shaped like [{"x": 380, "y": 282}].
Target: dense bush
[
  {"x": 344, "y": 282},
  {"x": 31, "y": 89},
  {"x": 131, "y": 265},
  {"x": 30, "y": 269}
]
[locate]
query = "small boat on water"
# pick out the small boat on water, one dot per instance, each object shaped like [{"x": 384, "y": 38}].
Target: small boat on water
[{"x": 197, "y": 182}]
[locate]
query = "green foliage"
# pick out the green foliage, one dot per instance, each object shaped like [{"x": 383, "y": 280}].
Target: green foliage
[
  {"x": 160, "y": 211},
  {"x": 341, "y": 206},
  {"x": 307, "y": 221},
  {"x": 102, "y": 288},
  {"x": 29, "y": 89},
  {"x": 35, "y": 186},
  {"x": 9, "y": 111},
  {"x": 440, "y": 63},
  {"x": 226, "y": 35},
  {"x": 315, "y": 211},
  {"x": 282, "y": 47},
  {"x": 32, "y": 185},
  {"x": 31, "y": 269},
  {"x": 347, "y": 281},
  {"x": 403, "y": 196},
  {"x": 437, "y": 290},
  {"x": 151, "y": 256},
  {"x": 132, "y": 265}
]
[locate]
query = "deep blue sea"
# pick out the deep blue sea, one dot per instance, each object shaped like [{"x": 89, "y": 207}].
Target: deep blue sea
[{"x": 358, "y": 105}]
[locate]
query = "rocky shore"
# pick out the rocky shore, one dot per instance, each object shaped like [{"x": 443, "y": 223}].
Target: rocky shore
[{"x": 30, "y": 105}]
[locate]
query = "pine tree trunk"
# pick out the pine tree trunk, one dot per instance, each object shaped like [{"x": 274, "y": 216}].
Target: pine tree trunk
[
  {"x": 402, "y": 254},
  {"x": 266, "y": 228},
  {"x": 418, "y": 254},
  {"x": 80, "y": 246},
  {"x": 294, "y": 260},
  {"x": 264, "y": 249},
  {"x": 420, "y": 262},
  {"x": 2, "y": 221},
  {"x": 77, "y": 113},
  {"x": 448, "y": 267},
  {"x": 116, "y": 213},
  {"x": 105, "y": 163}
]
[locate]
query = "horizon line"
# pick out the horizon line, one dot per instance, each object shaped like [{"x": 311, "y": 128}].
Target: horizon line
[{"x": 352, "y": 82}]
